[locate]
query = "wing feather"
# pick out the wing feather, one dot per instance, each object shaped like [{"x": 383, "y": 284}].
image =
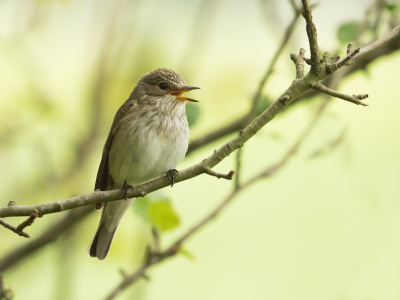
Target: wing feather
[{"x": 104, "y": 181}]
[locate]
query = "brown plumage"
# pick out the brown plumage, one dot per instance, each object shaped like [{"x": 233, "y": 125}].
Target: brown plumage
[{"x": 148, "y": 137}]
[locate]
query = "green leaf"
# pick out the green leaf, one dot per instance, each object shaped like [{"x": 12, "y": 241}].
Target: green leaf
[
  {"x": 390, "y": 7},
  {"x": 192, "y": 112},
  {"x": 186, "y": 253},
  {"x": 347, "y": 32},
  {"x": 162, "y": 215},
  {"x": 263, "y": 104}
]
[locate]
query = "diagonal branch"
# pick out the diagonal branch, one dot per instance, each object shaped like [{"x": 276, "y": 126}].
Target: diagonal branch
[
  {"x": 242, "y": 122},
  {"x": 156, "y": 257},
  {"x": 385, "y": 46}
]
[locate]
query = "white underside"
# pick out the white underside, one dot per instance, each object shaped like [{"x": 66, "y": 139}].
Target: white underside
[{"x": 143, "y": 151}]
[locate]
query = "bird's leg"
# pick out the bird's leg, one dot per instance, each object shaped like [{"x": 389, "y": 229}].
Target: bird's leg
[
  {"x": 125, "y": 188},
  {"x": 171, "y": 176}
]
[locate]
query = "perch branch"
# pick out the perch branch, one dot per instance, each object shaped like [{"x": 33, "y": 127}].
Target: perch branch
[{"x": 156, "y": 257}]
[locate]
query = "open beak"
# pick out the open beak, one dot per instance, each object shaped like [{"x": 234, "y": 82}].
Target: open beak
[{"x": 180, "y": 92}]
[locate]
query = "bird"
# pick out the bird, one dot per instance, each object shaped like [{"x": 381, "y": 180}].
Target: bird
[{"x": 149, "y": 136}]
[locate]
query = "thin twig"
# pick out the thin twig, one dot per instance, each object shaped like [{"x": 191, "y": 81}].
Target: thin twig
[
  {"x": 245, "y": 120},
  {"x": 13, "y": 228},
  {"x": 19, "y": 229},
  {"x": 270, "y": 69},
  {"x": 353, "y": 99},
  {"x": 330, "y": 146},
  {"x": 228, "y": 176},
  {"x": 67, "y": 223}
]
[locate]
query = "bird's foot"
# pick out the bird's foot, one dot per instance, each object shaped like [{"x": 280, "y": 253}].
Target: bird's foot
[
  {"x": 125, "y": 188},
  {"x": 171, "y": 176}
]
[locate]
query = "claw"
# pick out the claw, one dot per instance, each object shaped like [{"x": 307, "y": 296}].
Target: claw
[
  {"x": 171, "y": 176},
  {"x": 125, "y": 188}
]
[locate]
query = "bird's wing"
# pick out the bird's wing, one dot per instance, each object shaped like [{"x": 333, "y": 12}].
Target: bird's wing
[{"x": 104, "y": 181}]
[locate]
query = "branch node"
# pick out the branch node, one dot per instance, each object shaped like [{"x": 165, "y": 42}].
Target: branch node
[
  {"x": 29, "y": 221},
  {"x": 335, "y": 58},
  {"x": 350, "y": 48},
  {"x": 325, "y": 58},
  {"x": 361, "y": 96},
  {"x": 284, "y": 99},
  {"x": 210, "y": 172},
  {"x": 299, "y": 63},
  {"x": 346, "y": 60},
  {"x": 11, "y": 203},
  {"x": 310, "y": 63}
]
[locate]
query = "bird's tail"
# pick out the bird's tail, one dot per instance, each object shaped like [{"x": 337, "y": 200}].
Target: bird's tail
[{"x": 112, "y": 214}]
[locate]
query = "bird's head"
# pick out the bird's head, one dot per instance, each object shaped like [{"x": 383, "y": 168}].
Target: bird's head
[{"x": 162, "y": 82}]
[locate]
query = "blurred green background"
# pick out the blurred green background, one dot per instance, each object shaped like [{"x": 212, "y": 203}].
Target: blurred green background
[{"x": 324, "y": 227}]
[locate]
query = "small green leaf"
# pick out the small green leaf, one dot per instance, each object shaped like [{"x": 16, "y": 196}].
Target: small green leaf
[
  {"x": 186, "y": 253},
  {"x": 263, "y": 104},
  {"x": 192, "y": 112},
  {"x": 390, "y": 7},
  {"x": 162, "y": 215},
  {"x": 347, "y": 32}
]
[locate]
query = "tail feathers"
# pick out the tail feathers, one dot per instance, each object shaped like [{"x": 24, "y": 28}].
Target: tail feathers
[
  {"x": 101, "y": 242},
  {"x": 112, "y": 214}
]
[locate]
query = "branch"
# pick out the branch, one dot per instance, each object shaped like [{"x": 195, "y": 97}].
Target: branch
[
  {"x": 297, "y": 88},
  {"x": 156, "y": 257},
  {"x": 245, "y": 120},
  {"x": 311, "y": 33},
  {"x": 353, "y": 99},
  {"x": 387, "y": 45},
  {"x": 392, "y": 35}
]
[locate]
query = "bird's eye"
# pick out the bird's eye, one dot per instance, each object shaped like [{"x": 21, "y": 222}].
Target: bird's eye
[{"x": 163, "y": 86}]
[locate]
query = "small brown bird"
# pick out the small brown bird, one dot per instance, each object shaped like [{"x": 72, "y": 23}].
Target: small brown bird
[{"x": 148, "y": 138}]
